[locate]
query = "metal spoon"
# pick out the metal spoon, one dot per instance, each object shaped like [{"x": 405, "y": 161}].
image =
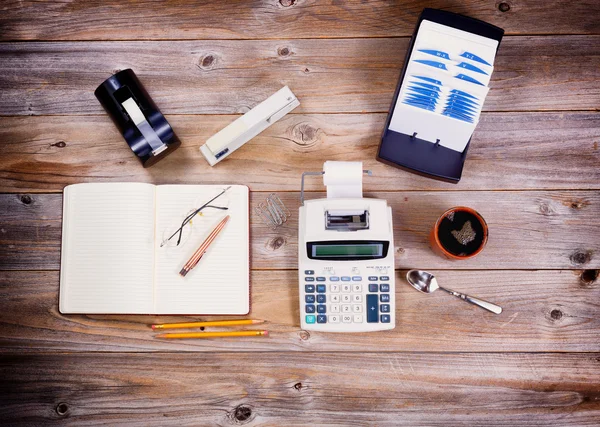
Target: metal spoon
[{"x": 426, "y": 282}]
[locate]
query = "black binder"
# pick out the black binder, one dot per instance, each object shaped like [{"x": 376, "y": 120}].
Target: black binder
[{"x": 408, "y": 151}]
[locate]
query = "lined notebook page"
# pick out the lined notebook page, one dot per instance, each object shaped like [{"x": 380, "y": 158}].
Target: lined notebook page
[
  {"x": 220, "y": 282},
  {"x": 107, "y": 262}
]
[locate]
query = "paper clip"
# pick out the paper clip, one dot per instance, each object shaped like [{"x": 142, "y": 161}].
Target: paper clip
[{"x": 273, "y": 212}]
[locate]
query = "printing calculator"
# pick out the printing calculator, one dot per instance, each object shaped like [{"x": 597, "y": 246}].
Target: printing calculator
[{"x": 346, "y": 265}]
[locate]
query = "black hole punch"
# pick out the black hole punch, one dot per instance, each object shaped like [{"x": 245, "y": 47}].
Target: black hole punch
[{"x": 62, "y": 409}]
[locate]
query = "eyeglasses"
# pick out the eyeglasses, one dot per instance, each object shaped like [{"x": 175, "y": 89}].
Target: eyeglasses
[{"x": 187, "y": 219}]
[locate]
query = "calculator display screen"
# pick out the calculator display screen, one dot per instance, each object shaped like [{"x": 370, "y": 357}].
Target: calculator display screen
[{"x": 354, "y": 250}]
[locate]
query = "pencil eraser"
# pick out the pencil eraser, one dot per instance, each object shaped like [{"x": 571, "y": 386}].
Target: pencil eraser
[
  {"x": 266, "y": 333},
  {"x": 152, "y": 326}
]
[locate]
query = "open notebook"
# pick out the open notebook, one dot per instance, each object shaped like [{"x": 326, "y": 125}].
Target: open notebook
[{"x": 112, "y": 259}]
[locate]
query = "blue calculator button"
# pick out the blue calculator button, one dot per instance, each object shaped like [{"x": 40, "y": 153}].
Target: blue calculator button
[
  {"x": 309, "y": 308},
  {"x": 309, "y": 299},
  {"x": 320, "y": 279},
  {"x": 321, "y": 299},
  {"x": 385, "y": 287},
  {"x": 321, "y": 289},
  {"x": 321, "y": 308},
  {"x": 373, "y": 287},
  {"x": 334, "y": 279},
  {"x": 309, "y": 279},
  {"x": 321, "y": 318},
  {"x": 309, "y": 289},
  {"x": 310, "y": 318},
  {"x": 309, "y": 271},
  {"x": 356, "y": 278},
  {"x": 384, "y": 297},
  {"x": 384, "y": 308},
  {"x": 385, "y": 318},
  {"x": 384, "y": 278},
  {"x": 346, "y": 278},
  {"x": 372, "y": 308},
  {"x": 372, "y": 278}
]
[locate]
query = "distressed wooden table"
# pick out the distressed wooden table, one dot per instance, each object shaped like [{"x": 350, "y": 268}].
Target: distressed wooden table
[{"x": 533, "y": 171}]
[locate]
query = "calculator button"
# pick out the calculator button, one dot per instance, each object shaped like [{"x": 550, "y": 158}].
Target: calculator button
[
  {"x": 334, "y": 298},
  {"x": 346, "y": 298},
  {"x": 321, "y": 299},
  {"x": 347, "y": 318},
  {"x": 321, "y": 318},
  {"x": 310, "y": 299},
  {"x": 372, "y": 308},
  {"x": 310, "y": 318},
  {"x": 384, "y": 308},
  {"x": 346, "y": 308},
  {"x": 321, "y": 308},
  {"x": 335, "y": 308},
  {"x": 356, "y": 278},
  {"x": 320, "y": 279},
  {"x": 385, "y": 287},
  {"x": 309, "y": 279},
  {"x": 372, "y": 278},
  {"x": 334, "y": 279},
  {"x": 357, "y": 308},
  {"x": 310, "y": 308},
  {"x": 357, "y": 288},
  {"x": 346, "y": 278},
  {"x": 346, "y": 288},
  {"x": 384, "y": 297},
  {"x": 334, "y": 288},
  {"x": 373, "y": 287},
  {"x": 334, "y": 318},
  {"x": 385, "y": 318},
  {"x": 384, "y": 278},
  {"x": 358, "y": 318},
  {"x": 309, "y": 289},
  {"x": 321, "y": 289},
  {"x": 357, "y": 298},
  {"x": 309, "y": 271}
]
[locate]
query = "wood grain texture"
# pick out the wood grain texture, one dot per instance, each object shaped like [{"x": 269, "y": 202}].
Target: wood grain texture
[
  {"x": 296, "y": 390},
  {"x": 528, "y": 230},
  {"x": 231, "y": 76},
  {"x": 189, "y": 19},
  {"x": 508, "y": 151},
  {"x": 543, "y": 311}
]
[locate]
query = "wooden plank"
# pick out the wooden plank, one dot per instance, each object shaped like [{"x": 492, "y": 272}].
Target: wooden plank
[
  {"x": 528, "y": 230},
  {"x": 225, "y": 77},
  {"x": 297, "y": 390},
  {"x": 508, "y": 151},
  {"x": 28, "y": 20},
  {"x": 543, "y": 311}
]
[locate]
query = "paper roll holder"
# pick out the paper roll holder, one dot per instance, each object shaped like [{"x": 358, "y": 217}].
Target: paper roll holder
[
  {"x": 365, "y": 171},
  {"x": 137, "y": 117}
]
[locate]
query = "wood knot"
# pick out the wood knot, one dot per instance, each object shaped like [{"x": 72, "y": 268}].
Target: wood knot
[
  {"x": 26, "y": 199},
  {"x": 580, "y": 257},
  {"x": 241, "y": 414},
  {"x": 556, "y": 314},
  {"x": 287, "y": 3},
  {"x": 305, "y": 135},
  {"x": 277, "y": 243},
  {"x": 298, "y": 386},
  {"x": 59, "y": 144},
  {"x": 306, "y": 70},
  {"x": 577, "y": 204},
  {"x": 546, "y": 209},
  {"x": 283, "y": 51},
  {"x": 62, "y": 409},
  {"x": 589, "y": 277},
  {"x": 400, "y": 251},
  {"x": 304, "y": 335},
  {"x": 207, "y": 62},
  {"x": 504, "y": 7}
]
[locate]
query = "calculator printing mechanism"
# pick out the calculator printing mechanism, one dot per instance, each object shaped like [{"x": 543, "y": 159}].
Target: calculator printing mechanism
[{"x": 346, "y": 265}]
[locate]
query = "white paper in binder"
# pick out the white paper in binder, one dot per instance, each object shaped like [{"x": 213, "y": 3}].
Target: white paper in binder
[{"x": 343, "y": 179}]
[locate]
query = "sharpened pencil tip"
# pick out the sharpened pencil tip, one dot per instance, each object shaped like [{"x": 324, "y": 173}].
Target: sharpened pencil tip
[{"x": 183, "y": 272}]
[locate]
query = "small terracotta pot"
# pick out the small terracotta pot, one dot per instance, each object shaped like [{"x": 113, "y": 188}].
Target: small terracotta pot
[{"x": 434, "y": 240}]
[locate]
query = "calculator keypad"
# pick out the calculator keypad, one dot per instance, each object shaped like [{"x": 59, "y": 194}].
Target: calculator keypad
[{"x": 346, "y": 302}]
